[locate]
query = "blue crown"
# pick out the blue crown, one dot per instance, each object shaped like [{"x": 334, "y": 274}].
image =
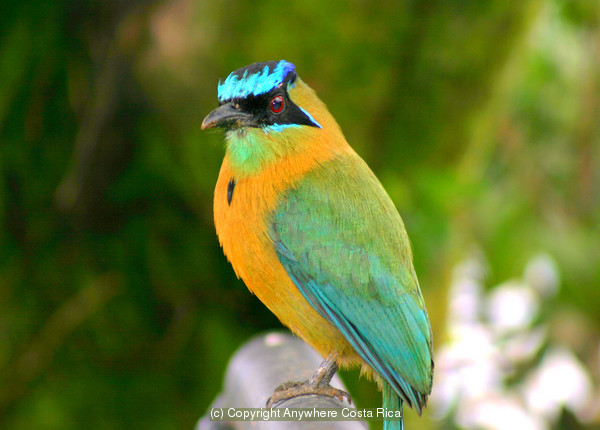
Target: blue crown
[{"x": 255, "y": 79}]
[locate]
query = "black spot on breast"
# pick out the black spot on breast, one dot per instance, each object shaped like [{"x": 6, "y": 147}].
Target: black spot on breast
[{"x": 230, "y": 188}]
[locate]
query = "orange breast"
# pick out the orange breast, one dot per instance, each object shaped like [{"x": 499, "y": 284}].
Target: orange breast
[{"x": 242, "y": 227}]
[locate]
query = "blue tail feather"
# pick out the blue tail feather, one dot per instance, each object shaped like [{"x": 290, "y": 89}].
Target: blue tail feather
[{"x": 391, "y": 401}]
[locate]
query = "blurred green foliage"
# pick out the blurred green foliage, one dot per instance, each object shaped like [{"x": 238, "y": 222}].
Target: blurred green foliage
[{"x": 118, "y": 309}]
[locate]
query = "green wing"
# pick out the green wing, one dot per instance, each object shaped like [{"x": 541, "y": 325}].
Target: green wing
[{"x": 344, "y": 245}]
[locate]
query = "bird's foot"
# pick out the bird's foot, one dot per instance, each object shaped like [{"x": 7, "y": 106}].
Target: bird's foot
[
  {"x": 289, "y": 390},
  {"x": 318, "y": 384}
]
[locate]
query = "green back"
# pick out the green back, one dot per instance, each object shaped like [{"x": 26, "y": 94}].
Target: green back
[{"x": 344, "y": 245}]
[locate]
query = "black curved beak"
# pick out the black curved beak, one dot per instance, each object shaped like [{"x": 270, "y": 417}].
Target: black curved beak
[{"x": 227, "y": 116}]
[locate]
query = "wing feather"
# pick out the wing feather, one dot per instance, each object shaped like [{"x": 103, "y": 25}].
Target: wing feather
[{"x": 342, "y": 242}]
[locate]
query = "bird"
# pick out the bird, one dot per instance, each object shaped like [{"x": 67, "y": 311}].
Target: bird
[{"x": 313, "y": 234}]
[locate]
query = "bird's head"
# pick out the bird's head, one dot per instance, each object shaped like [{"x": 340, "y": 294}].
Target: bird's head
[{"x": 268, "y": 112}]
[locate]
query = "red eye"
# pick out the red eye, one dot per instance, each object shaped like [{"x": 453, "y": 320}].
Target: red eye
[{"x": 277, "y": 104}]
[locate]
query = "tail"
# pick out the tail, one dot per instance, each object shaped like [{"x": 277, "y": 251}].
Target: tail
[{"x": 391, "y": 403}]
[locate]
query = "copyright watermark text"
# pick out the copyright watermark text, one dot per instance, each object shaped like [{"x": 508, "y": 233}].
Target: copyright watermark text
[{"x": 304, "y": 414}]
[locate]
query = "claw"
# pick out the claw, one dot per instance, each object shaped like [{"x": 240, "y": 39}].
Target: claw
[
  {"x": 318, "y": 384},
  {"x": 291, "y": 389}
]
